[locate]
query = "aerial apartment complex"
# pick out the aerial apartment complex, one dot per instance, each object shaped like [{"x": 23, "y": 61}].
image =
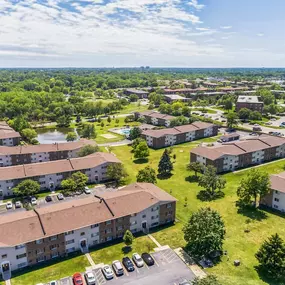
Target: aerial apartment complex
[
  {"x": 240, "y": 154},
  {"x": 8, "y": 136},
  {"x": 181, "y": 134},
  {"x": 155, "y": 118},
  {"x": 50, "y": 174},
  {"x": 31, "y": 237},
  {"x": 16, "y": 155},
  {"x": 252, "y": 103}
]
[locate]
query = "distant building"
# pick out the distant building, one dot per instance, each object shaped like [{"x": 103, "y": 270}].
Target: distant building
[
  {"x": 8, "y": 136},
  {"x": 185, "y": 91},
  {"x": 140, "y": 93},
  {"x": 230, "y": 137},
  {"x": 175, "y": 97},
  {"x": 181, "y": 134},
  {"x": 252, "y": 103},
  {"x": 210, "y": 85},
  {"x": 155, "y": 118}
]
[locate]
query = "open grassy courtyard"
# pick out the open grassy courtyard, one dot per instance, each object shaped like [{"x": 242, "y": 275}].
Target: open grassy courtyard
[{"x": 240, "y": 245}]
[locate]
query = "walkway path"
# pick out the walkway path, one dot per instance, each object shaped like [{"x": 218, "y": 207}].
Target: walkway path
[
  {"x": 119, "y": 143},
  {"x": 8, "y": 282},
  {"x": 154, "y": 240},
  {"x": 92, "y": 263}
]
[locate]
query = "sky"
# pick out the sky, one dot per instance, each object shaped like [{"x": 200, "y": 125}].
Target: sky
[{"x": 133, "y": 33}]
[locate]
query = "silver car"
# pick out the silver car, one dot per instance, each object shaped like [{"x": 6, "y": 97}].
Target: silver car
[
  {"x": 9, "y": 205},
  {"x": 90, "y": 278},
  {"x": 18, "y": 204},
  {"x": 108, "y": 272},
  {"x": 87, "y": 190},
  {"x": 138, "y": 260}
]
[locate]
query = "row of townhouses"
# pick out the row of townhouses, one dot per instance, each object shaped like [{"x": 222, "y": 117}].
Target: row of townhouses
[
  {"x": 15, "y": 155},
  {"x": 155, "y": 118},
  {"x": 31, "y": 237},
  {"x": 8, "y": 136},
  {"x": 241, "y": 154},
  {"x": 50, "y": 174},
  {"x": 181, "y": 134}
]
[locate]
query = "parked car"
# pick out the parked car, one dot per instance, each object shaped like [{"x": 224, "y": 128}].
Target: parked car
[
  {"x": 147, "y": 258},
  {"x": 90, "y": 278},
  {"x": 34, "y": 201},
  {"x": 128, "y": 264},
  {"x": 9, "y": 205},
  {"x": 282, "y": 125},
  {"x": 77, "y": 279},
  {"x": 138, "y": 260},
  {"x": 184, "y": 282},
  {"x": 52, "y": 282},
  {"x": 18, "y": 204},
  {"x": 48, "y": 198},
  {"x": 87, "y": 190},
  {"x": 118, "y": 268},
  {"x": 108, "y": 272},
  {"x": 60, "y": 196}
]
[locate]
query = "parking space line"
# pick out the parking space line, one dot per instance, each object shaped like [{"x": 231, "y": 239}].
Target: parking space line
[
  {"x": 155, "y": 261},
  {"x": 137, "y": 270},
  {"x": 126, "y": 271},
  {"x": 147, "y": 266}
]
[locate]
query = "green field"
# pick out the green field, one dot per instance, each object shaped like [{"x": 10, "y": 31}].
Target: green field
[{"x": 240, "y": 245}]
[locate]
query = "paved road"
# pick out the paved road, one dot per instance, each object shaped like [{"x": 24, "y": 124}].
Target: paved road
[{"x": 119, "y": 143}]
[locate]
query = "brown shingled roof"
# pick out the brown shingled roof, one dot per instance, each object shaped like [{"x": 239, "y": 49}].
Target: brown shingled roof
[{"x": 278, "y": 182}]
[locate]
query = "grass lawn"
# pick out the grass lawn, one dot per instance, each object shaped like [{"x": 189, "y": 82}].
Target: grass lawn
[
  {"x": 133, "y": 106},
  {"x": 209, "y": 111},
  {"x": 240, "y": 245},
  {"x": 109, "y": 253},
  {"x": 53, "y": 271}
]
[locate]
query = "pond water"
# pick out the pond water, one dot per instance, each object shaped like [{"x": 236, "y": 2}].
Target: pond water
[{"x": 57, "y": 135}]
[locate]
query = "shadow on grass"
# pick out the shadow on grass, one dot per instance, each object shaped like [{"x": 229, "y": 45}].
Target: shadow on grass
[
  {"x": 160, "y": 228},
  {"x": 126, "y": 249},
  {"x": 140, "y": 160},
  {"x": 192, "y": 178},
  {"x": 252, "y": 213},
  {"x": 164, "y": 176},
  {"x": 204, "y": 195},
  {"x": 267, "y": 279}
]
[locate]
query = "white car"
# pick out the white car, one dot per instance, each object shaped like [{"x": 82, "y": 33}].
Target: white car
[
  {"x": 108, "y": 272},
  {"x": 87, "y": 190},
  {"x": 34, "y": 201},
  {"x": 18, "y": 204},
  {"x": 90, "y": 278},
  {"x": 118, "y": 268},
  {"x": 138, "y": 260},
  {"x": 9, "y": 205}
]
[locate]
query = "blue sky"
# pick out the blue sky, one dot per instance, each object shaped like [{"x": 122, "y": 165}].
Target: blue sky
[{"x": 127, "y": 33}]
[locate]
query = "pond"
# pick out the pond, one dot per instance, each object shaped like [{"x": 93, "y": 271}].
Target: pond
[{"x": 56, "y": 135}]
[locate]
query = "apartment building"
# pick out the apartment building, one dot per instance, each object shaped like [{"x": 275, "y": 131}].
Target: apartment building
[
  {"x": 155, "y": 118},
  {"x": 8, "y": 136},
  {"x": 50, "y": 174},
  {"x": 252, "y": 103},
  {"x": 185, "y": 91},
  {"x": 181, "y": 134},
  {"x": 31, "y": 237},
  {"x": 276, "y": 197},
  {"x": 140, "y": 93},
  {"x": 174, "y": 98},
  {"x": 240, "y": 154},
  {"x": 16, "y": 155}
]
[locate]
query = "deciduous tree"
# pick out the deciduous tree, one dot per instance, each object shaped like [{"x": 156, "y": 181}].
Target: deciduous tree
[
  {"x": 146, "y": 174},
  {"x": 196, "y": 166},
  {"x": 71, "y": 136},
  {"x": 116, "y": 172},
  {"x": 141, "y": 151},
  {"x": 26, "y": 188},
  {"x": 128, "y": 238}
]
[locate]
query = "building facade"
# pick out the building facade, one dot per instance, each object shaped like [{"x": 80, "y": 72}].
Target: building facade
[
  {"x": 18, "y": 155},
  {"x": 252, "y": 103},
  {"x": 240, "y": 154},
  {"x": 31, "y": 237},
  {"x": 8, "y": 136},
  {"x": 155, "y": 118},
  {"x": 50, "y": 174},
  {"x": 181, "y": 134},
  {"x": 140, "y": 93}
]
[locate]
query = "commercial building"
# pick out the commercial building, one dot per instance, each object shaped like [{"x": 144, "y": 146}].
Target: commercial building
[
  {"x": 8, "y": 136},
  {"x": 31, "y": 237},
  {"x": 155, "y": 118},
  {"x": 140, "y": 93},
  {"x": 50, "y": 174},
  {"x": 240, "y": 154},
  {"x": 174, "y": 98},
  {"x": 252, "y": 103},
  {"x": 181, "y": 134},
  {"x": 17, "y": 155}
]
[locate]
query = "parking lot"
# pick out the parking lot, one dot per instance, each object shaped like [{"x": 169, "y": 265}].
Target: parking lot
[{"x": 168, "y": 269}]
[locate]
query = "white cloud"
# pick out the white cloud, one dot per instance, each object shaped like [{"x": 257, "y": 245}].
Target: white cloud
[
  {"x": 226, "y": 27},
  {"x": 260, "y": 35},
  {"x": 195, "y": 4}
]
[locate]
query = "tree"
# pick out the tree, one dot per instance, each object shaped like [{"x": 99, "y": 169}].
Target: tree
[
  {"x": 116, "y": 172},
  {"x": 128, "y": 238},
  {"x": 165, "y": 165},
  {"x": 231, "y": 120},
  {"x": 71, "y": 136},
  {"x": 26, "y": 188},
  {"x": 228, "y": 104},
  {"x": 75, "y": 183},
  {"x": 256, "y": 184},
  {"x": 208, "y": 280},
  {"x": 147, "y": 174},
  {"x": 204, "y": 232},
  {"x": 196, "y": 166},
  {"x": 29, "y": 134},
  {"x": 255, "y": 116},
  {"x": 271, "y": 256},
  {"x": 136, "y": 143},
  {"x": 87, "y": 149},
  {"x": 211, "y": 181},
  {"x": 68, "y": 186},
  {"x": 109, "y": 119},
  {"x": 244, "y": 113},
  {"x": 141, "y": 151},
  {"x": 102, "y": 124},
  {"x": 135, "y": 132},
  {"x": 88, "y": 131}
]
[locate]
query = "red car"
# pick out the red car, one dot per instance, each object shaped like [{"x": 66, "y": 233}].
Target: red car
[{"x": 77, "y": 279}]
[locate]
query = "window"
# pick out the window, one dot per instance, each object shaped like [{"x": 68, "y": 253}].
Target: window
[
  {"x": 169, "y": 206},
  {"x": 276, "y": 199},
  {"x": 108, "y": 231},
  {"x": 108, "y": 223},
  {"x": 154, "y": 209},
  {"x": 82, "y": 234},
  {"x": 21, "y": 255},
  {"x": 21, "y": 265},
  {"x": 53, "y": 247},
  {"x": 133, "y": 215},
  {"x": 119, "y": 220},
  {"x": 94, "y": 235},
  {"x": 144, "y": 216},
  {"x": 69, "y": 233},
  {"x": 53, "y": 238},
  {"x": 94, "y": 226},
  {"x": 54, "y": 254},
  {"x": 154, "y": 224},
  {"x": 275, "y": 206},
  {"x": 19, "y": 246},
  {"x": 133, "y": 223},
  {"x": 70, "y": 249},
  {"x": 109, "y": 238},
  {"x": 69, "y": 241},
  {"x": 39, "y": 241},
  {"x": 119, "y": 228},
  {"x": 39, "y": 251},
  {"x": 95, "y": 242},
  {"x": 4, "y": 256}
]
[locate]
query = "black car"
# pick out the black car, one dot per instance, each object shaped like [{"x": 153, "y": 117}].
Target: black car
[
  {"x": 48, "y": 198},
  {"x": 128, "y": 264},
  {"x": 147, "y": 258}
]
